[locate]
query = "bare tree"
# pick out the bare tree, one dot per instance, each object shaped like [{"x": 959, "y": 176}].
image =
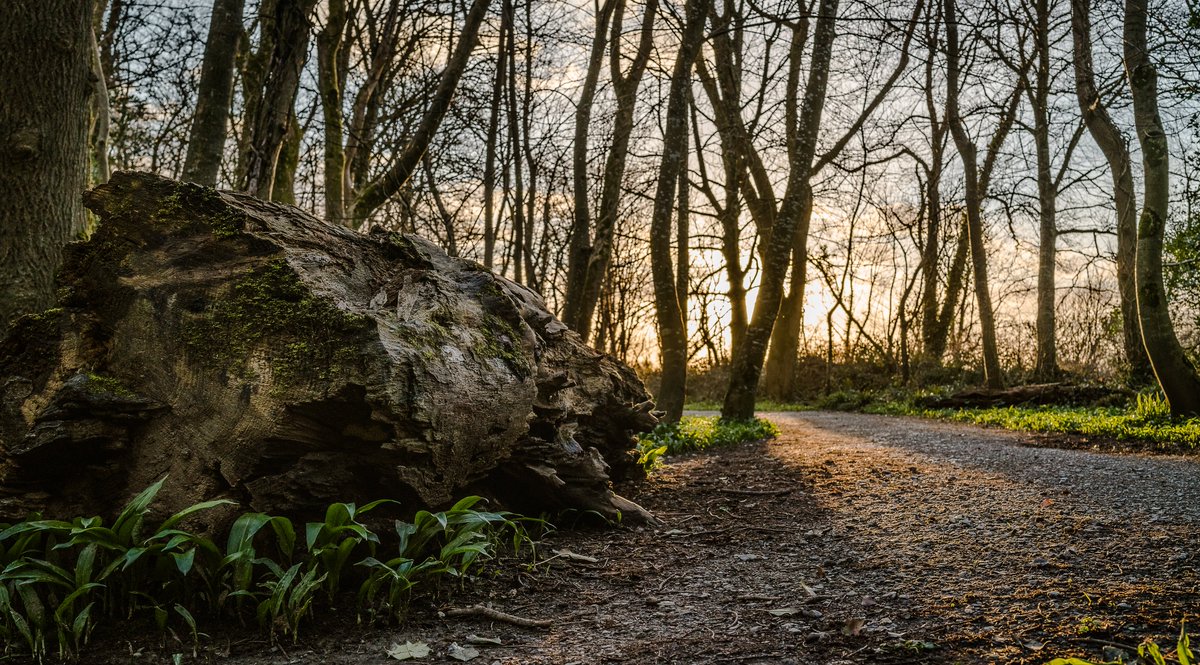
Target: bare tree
[
  {"x": 668, "y": 300},
  {"x": 777, "y": 246},
  {"x": 591, "y": 249},
  {"x": 1112, "y": 143},
  {"x": 977, "y": 179},
  {"x": 272, "y": 81},
  {"x": 376, "y": 192}
]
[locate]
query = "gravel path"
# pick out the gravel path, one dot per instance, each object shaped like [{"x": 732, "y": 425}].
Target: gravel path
[
  {"x": 1133, "y": 487},
  {"x": 850, "y": 539}
]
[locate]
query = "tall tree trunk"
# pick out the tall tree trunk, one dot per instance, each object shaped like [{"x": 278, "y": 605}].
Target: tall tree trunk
[
  {"x": 101, "y": 114},
  {"x": 934, "y": 330},
  {"x": 286, "y": 28},
  {"x": 1109, "y": 137},
  {"x": 579, "y": 249},
  {"x": 625, "y": 89},
  {"x": 1046, "y": 368},
  {"x": 45, "y": 57},
  {"x": 973, "y": 199},
  {"x": 779, "y": 373},
  {"x": 330, "y": 85},
  {"x": 206, "y": 144},
  {"x": 683, "y": 230},
  {"x": 1171, "y": 366},
  {"x": 514, "y": 137},
  {"x": 490, "y": 222},
  {"x": 747, "y": 365},
  {"x": 668, "y": 305},
  {"x": 531, "y": 279}
]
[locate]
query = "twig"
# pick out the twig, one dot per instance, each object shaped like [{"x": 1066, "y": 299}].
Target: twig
[
  {"x": 749, "y": 656},
  {"x": 1106, "y": 643},
  {"x": 788, "y": 490},
  {"x": 572, "y": 556},
  {"x": 497, "y": 615}
]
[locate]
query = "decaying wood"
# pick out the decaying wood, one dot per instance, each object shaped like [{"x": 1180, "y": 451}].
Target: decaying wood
[{"x": 254, "y": 352}]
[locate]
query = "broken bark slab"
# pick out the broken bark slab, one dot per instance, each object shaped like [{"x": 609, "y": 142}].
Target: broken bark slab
[
  {"x": 252, "y": 351},
  {"x": 1057, "y": 394}
]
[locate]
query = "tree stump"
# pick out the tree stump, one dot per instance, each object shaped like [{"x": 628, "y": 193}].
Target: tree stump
[{"x": 252, "y": 351}]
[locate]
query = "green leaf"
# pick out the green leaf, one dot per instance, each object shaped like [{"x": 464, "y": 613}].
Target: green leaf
[
  {"x": 312, "y": 531},
  {"x": 465, "y": 503},
  {"x": 127, "y": 523},
  {"x": 84, "y": 565},
  {"x": 178, "y": 517},
  {"x": 1183, "y": 650},
  {"x": 184, "y": 561}
]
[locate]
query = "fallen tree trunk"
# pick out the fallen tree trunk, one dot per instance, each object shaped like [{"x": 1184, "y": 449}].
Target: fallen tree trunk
[
  {"x": 1058, "y": 394},
  {"x": 254, "y": 352}
]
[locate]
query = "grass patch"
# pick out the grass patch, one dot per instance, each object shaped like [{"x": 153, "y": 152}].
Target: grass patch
[
  {"x": 1147, "y": 421},
  {"x": 60, "y": 579},
  {"x": 695, "y": 433}
]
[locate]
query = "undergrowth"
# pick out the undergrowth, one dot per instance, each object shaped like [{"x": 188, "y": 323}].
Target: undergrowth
[
  {"x": 60, "y": 579},
  {"x": 695, "y": 433},
  {"x": 1146, "y": 420},
  {"x": 1148, "y": 653}
]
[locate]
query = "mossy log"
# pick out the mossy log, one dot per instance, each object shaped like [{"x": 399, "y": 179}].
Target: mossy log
[
  {"x": 252, "y": 351},
  {"x": 1040, "y": 394}
]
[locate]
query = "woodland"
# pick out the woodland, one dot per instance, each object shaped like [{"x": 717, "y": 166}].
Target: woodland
[
  {"x": 264, "y": 260},
  {"x": 930, "y": 193}
]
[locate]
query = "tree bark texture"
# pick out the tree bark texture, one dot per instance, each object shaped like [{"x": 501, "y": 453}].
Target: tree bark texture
[
  {"x": 1174, "y": 371},
  {"x": 45, "y": 57},
  {"x": 214, "y": 93},
  {"x": 580, "y": 246},
  {"x": 254, "y": 352}
]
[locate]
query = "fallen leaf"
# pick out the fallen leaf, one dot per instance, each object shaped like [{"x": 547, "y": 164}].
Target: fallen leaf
[
  {"x": 479, "y": 639},
  {"x": 408, "y": 650},
  {"x": 462, "y": 653}
]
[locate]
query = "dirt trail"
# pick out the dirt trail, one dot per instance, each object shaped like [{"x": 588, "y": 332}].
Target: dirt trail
[{"x": 850, "y": 539}]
